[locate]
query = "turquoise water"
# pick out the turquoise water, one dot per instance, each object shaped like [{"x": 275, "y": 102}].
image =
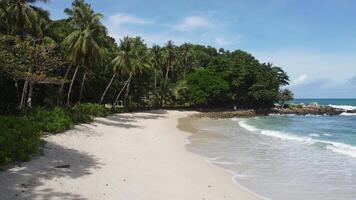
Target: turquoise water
[{"x": 285, "y": 156}]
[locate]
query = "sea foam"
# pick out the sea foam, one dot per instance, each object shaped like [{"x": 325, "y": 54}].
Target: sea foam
[
  {"x": 336, "y": 147},
  {"x": 343, "y": 107}
]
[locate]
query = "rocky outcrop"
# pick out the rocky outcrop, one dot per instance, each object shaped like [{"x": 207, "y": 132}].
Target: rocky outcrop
[
  {"x": 227, "y": 114},
  {"x": 295, "y": 109},
  {"x": 311, "y": 109},
  {"x": 351, "y": 111}
]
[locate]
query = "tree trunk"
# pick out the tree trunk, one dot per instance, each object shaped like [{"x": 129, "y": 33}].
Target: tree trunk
[
  {"x": 17, "y": 90},
  {"x": 23, "y": 96},
  {"x": 62, "y": 86},
  {"x": 122, "y": 89},
  {"x": 82, "y": 86},
  {"x": 127, "y": 89},
  {"x": 167, "y": 72},
  {"x": 107, "y": 88},
  {"x": 155, "y": 83},
  {"x": 71, "y": 85},
  {"x": 29, "y": 98}
]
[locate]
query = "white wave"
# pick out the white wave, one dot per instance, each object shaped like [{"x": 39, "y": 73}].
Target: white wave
[
  {"x": 348, "y": 114},
  {"x": 327, "y": 134},
  {"x": 336, "y": 147},
  {"x": 343, "y": 107},
  {"x": 244, "y": 125},
  {"x": 314, "y": 135},
  {"x": 220, "y": 161}
]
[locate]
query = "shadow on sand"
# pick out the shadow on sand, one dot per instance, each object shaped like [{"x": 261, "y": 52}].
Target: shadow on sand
[
  {"x": 20, "y": 182},
  {"x": 127, "y": 121},
  {"x": 28, "y": 181}
]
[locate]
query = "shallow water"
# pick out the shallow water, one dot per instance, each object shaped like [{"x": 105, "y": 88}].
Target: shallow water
[{"x": 284, "y": 157}]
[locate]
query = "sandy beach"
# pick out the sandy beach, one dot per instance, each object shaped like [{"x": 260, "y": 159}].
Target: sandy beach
[{"x": 134, "y": 156}]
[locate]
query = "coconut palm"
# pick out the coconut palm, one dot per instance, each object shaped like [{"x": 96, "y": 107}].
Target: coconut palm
[
  {"x": 22, "y": 18},
  {"x": 169, "y": 58},
  {"x": 156, "y": 59},
  {"x": 185, "y": 57},
  {"x": 131, "y": 60},
  {"x": 83, "y": 44},
  {"x": 281, "y": 75}
]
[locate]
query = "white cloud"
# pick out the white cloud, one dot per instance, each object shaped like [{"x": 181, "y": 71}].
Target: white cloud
[
  {"x": 221, "y": 41},
  {"x": 192, "y": 29},
  {"x": 194, "y": 22},
  {"x": 299, "y": 80},
  {"x": 123, "y": 18}
]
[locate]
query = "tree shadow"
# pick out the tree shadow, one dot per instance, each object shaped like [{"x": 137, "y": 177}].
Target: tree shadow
[
  {"x": 20, "y": 182},
  {"x": 116, "y": 123},
  {"x": 161, "y": 112},
  {"x": 126, "y": 120}
]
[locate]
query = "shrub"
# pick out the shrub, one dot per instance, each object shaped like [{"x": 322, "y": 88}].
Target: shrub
[
  {"x": 84, "y": 113},
  {"x": 19, "y": 139},
  {"x": 53, "y": 121}
]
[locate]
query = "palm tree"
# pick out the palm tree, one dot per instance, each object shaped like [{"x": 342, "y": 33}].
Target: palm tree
[
  {"x": 22, "y": 18},
  {"x": 170, "y": 57},
  {"x": 186, "y": 56},
  {"x": 283, "y": 78},
  {"x": 131, "y": 60},
  {"x": 156, "y": 63},
  {"x": 83, "y": 45}
]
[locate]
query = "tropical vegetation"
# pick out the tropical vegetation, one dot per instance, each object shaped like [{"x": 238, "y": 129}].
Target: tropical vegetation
[{"x": 57, "y": 73}]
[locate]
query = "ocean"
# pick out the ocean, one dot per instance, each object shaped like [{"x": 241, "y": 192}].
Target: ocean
[{"x": 286, "y": 156}]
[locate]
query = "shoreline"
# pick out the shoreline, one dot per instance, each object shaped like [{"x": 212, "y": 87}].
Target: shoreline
[
  {"x": 125, "y": 156},
  {"x": 186, "y": 125}
]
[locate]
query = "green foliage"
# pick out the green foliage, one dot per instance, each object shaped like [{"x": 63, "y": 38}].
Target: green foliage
[
  {"x": 19, "y": 139},
  {"x": 85, "y": 113},
  {"x": 203, "y": 87},
  {"x": 51, "y": 121},
  {"x": 284, "y": 96}
]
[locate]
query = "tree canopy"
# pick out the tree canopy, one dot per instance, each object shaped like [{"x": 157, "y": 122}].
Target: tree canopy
[{"x": 41, "y": 60}]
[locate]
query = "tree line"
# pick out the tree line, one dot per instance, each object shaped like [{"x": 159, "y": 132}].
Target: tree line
[{"x": 54, "y": 63}]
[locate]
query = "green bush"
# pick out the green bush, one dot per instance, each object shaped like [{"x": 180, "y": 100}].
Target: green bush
[
  {"x": 85, "y": 113},
  {"x": 53, "y": 121},
  {"x": 19, "y": 139}
]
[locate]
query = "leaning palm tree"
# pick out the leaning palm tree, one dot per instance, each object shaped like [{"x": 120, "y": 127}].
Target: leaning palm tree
[
  {"x": 131, "y": 60},
  {"x": 83, "y": 45},
  {"x": 170, "y": 57}
]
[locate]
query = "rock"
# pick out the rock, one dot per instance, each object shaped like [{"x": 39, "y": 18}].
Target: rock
[
  {"x": 227, "y": 114},
  {"x": 351, "y": 111}
]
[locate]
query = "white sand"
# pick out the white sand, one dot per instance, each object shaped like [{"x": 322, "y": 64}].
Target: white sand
[{"x": 124, "y": 157}]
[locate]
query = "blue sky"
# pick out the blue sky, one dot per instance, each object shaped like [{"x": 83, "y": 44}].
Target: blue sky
[{"x": 313, "y": 40}]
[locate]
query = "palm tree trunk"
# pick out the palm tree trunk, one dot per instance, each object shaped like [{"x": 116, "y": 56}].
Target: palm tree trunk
[
  {"x": 29, "y": 98},
  {"x": 82, "y": 86},
  {"x": 128, "y": 88},
  {"x": 107, "y": 88},
  {"x": 122, "y": 89},
  {"x": 24, "y": 93},
  {"x": 167, "y": 72},
  {"x": 155, "y": 83},
  {"x": 17, "y": 90},
  {"x": 71, "y": 85},
  {"x": 62, "y": 85}
]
